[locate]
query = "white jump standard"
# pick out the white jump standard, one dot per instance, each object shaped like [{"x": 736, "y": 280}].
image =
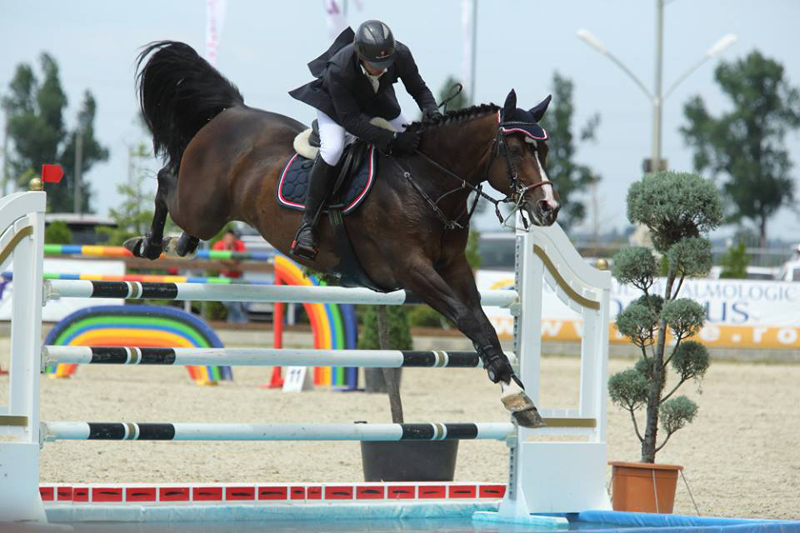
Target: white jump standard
[{"x": 544, "y": 477}]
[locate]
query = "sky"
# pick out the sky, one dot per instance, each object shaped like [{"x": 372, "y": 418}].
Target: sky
[{"x": 265, "y": 45}]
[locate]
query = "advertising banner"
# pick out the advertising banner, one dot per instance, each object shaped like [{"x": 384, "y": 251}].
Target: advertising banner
[{"x": 740, "y": 313}]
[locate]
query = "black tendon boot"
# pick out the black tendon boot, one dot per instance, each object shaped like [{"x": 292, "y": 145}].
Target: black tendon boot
[
  {"x": 320, "y": 181},
  {"x": 513, "y": 394}
]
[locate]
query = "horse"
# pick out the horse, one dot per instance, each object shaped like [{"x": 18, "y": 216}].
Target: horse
[{"x": 223, "y": 159}]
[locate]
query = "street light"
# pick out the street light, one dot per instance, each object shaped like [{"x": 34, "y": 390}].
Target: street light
[{"x": 655, "y": 97}]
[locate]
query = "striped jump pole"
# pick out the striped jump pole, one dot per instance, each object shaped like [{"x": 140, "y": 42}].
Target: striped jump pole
[
  {"x": 148, "y": 278},
  {"x": 112, "y": 355},
  {"x": 120, "y": 251},
  {"x": 54, "y": 431},
  {"x": 55, "y": 289}
]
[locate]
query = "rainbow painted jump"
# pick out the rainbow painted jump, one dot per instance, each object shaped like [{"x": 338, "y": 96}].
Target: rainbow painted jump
[{"x": 554, "y": 476}]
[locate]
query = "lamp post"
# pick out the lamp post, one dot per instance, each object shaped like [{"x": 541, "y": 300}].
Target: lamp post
[{"x": 656, "y": 97}]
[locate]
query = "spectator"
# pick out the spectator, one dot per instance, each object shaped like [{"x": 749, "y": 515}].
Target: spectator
[{"x": 230, "y": 242}]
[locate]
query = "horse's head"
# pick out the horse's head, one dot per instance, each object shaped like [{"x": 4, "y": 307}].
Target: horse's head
[{"x": 519, "y": 161}]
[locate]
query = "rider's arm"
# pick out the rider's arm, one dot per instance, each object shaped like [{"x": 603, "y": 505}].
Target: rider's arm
[
  {"x": 351, "y": 118},
  {"x": 413, "y": 82}
]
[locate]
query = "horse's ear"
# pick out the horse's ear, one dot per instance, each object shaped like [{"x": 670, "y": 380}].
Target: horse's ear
[
  {"x": 538, "y": 110},
  {"x": 511, "y": 105}
]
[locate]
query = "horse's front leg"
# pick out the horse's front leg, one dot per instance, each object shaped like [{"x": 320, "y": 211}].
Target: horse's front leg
[
  {"x": 459, "y": 276},
  {"x": 462, "y": 306}
]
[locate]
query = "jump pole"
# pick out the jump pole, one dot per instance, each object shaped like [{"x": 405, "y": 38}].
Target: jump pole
[{"x": 113, "y": 355}]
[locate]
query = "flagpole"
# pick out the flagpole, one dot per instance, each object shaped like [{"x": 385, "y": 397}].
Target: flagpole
[{"x": 473, "y": 52}]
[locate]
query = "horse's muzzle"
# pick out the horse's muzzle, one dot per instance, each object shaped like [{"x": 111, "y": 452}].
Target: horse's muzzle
[{"x": 543, "y": 212}]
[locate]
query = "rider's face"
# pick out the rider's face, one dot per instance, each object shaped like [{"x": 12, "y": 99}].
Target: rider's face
[{"x": 372, "y": 70}]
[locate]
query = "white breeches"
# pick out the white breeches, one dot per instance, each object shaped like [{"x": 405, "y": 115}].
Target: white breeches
[{"x": 331, "y": 136}]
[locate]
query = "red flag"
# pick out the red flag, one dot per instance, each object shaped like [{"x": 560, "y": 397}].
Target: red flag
[{"x": 52, "y": 173}]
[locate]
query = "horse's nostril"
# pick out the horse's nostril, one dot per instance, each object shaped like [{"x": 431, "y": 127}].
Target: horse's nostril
[{"x": 544, "y": 205}]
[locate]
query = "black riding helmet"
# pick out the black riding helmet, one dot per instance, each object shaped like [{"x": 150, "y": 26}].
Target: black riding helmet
[{"x": 374, "y": 43}]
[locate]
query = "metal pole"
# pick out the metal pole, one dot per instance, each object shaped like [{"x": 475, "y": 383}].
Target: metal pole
[
  {"x": 473, "y": 52},
  {"x": 657, "y": 100},
  {"x": 5, "y": 151},
  {"x": 78, "y": 164}
]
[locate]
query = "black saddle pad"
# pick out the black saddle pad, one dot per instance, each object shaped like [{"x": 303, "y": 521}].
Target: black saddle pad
[{"x": 293, "y": 185}]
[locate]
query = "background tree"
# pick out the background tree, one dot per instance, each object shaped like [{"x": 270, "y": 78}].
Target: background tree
[
  {"x": 57, "y": 232},
  {"x": 135, "y": 212},
  {"x": 571, "y": 178},
  {"x": 38, "y": 134},
  {"x": 734, "y": 262},
  {"x": 747, "y": 144}
]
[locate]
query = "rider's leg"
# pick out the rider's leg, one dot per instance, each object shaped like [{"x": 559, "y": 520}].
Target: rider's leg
[
  {"x": 320, "y": 181},
  {"x": 331, "y": 137},
  {"x": 399, "y": 122}
]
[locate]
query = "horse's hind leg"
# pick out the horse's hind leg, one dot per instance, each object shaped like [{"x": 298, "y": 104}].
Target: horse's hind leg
[{"x": 151, "y": 245}]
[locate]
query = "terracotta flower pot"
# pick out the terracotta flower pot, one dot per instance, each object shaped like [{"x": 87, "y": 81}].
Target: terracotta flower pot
[{"x": 643, "y": 487}]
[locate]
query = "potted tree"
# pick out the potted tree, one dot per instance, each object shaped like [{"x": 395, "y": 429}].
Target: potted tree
[
  {"x": 387, "y": 329},
  {"x": 678, "y": 209}
]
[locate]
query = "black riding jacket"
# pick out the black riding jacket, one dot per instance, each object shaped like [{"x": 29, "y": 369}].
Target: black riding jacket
[{"x": 343, "y": 92}]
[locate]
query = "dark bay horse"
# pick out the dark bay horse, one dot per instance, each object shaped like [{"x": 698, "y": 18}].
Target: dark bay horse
[{"x": 223, "y": 160}]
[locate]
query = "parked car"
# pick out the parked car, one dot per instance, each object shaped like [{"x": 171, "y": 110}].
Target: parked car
[
  {"x": 497, "y": 251},
  {"x": 790, "y": 271}
]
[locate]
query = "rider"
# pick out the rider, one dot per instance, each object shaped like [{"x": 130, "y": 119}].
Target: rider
[{"x": 353, "y": 84}]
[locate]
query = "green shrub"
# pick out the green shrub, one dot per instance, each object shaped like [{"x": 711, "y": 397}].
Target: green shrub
[{"x": 57, "y": 233}]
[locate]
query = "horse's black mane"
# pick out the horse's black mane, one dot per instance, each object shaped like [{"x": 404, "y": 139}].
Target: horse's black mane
[{"x": 455, "y": 116}]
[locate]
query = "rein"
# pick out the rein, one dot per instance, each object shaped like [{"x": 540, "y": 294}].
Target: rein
[{"x": 517, "y": 189}]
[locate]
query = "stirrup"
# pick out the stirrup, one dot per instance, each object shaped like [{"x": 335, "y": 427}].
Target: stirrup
[{"x": 306, "y": 252}]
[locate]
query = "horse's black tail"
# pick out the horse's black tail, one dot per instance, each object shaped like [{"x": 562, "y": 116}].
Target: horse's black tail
[{"x": 179, "y": 92}]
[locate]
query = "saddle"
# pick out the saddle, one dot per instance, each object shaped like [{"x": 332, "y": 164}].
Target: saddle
[
  {"x": 356, "y": 171},
  {"x": 356, "y": 174}
]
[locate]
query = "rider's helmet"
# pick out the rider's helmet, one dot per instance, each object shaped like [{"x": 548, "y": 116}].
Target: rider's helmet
[{"x": 374, "y": 43}]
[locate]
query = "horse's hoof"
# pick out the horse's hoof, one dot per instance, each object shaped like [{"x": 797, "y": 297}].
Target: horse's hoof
[
  {"x": 521, "y": 406},
  {"x": 187, "y": 246},
  {"x": 134, "y": 246},
  {"x": 142, "y": 247},
  {"x": 530, "y": 418}
]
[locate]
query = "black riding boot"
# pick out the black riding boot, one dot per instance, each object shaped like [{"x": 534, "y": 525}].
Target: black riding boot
[{"x": 320, "y": 181}]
